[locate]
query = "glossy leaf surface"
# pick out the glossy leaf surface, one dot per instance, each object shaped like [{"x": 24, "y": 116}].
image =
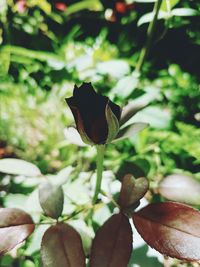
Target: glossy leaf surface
[
  {"x": 62, "y": 246},
  {"x": 15, "y": 226},
  {"x": 112, "y": 244},
  {"x": 171, "y": 228}
]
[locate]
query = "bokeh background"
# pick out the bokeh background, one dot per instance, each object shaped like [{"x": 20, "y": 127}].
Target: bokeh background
[{"x": 48, "y": 46}]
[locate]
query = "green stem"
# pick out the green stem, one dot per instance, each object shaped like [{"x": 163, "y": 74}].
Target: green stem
[
  {"x": 150, "y": 33},
  {"x": 100, "y": 157}
]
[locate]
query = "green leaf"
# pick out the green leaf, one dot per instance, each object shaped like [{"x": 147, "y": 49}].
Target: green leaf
[
  {"x": 130, "y": 130},
  {"x": 3, "y": 7},
  {"x": 81, "y": 5},
  {"x": 182, "y": 188},
  {"x": 5, "y": 61},
  {"x": 62, "y": 246},
  {"x": 15, "y": 226},
  {"x": 167, "y": 5},
  {"x": 115, "y": 68},
  {"x": 156, "y": 116},
  {"x": 130, "y": 110},
  {"x": 113, "y": 124},
  {"x": 73, "y": 136},
  {"x": 125, "y": 86},
  {"x": 149, "y": 17},
  {"x": 51, "y": 199},
  {"x": 32, "y": 54},
  {"x": 61, "y": 177},
  {"x": 18, "y": 167},
  {"x": 184, "y": 12}
]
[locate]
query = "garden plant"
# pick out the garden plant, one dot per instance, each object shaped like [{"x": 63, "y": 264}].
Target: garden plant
[{"x": 99, "y": 136}]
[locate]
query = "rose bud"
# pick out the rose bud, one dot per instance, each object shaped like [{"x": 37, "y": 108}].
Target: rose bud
[{"x": 97, "y": 118}]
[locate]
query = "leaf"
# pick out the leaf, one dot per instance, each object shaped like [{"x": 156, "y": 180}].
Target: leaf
[
  {"x": 15, "y": 226},
  {"x": 73, "y": 136},
  {"x": 180, "y": 187},
  {"x": 148, "y": 17},
  {"x": 132, "y": 190},
  {"x": 31, "y": 54},
  {"x": 115, "y": 68},
  {"x": 5, "y": 57},
  {"x": 125, "y": 86},
  {"x": 51, "y": 199},
  {"x": 62, "y": 176},
  {"x": 112, "y": 244},
  {"x": 130, "y": 110},
  {"x": 18, "y": 167},
  {"x": 113, "y": 124},
  {"x": 62, "y": 246},
  {"x": 3, "y": 7},
  {"x": 86, "y": 233},
  {"x": 81, "y": 5},
  {"x": 184, "y": 12},
  {"x": 130, "y": 130},
  {"x": 171, "y": 228},
  {"x": 156, "y": 116},
  {"x": 170, "y": 3}
]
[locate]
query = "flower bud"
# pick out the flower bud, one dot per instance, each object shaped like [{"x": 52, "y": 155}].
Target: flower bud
[{"x": 97, "y": 118}]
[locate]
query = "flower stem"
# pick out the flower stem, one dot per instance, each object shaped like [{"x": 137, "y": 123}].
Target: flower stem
[
  {"x": 150, "y": 33},
  {"x": 100, "y": 157}
]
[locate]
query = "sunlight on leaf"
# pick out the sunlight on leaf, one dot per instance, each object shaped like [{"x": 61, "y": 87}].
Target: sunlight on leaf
[
  {"x": 18, "y": 167},
  {"x": 180, "y": 187},
  {"x": 15, "y": 226},
  {"x": 171, "y": 228}
]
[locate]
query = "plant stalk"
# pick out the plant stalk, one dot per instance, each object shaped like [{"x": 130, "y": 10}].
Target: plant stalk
[
  {"x": 150, "y": 33},
  {"x": 100, "y": 158}
]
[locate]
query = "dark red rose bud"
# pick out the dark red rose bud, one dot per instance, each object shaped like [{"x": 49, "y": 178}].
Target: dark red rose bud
[{"x": 97, "y": 118}]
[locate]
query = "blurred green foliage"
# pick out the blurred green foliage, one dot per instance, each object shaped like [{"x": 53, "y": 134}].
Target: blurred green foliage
[{"x": 45, "y": 48}]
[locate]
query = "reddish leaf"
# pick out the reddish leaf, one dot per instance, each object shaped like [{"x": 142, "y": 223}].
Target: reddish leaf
[
  {"x": 171, "y": 228},
  {"x": 132, "y": 190},
  {"x": 15, "y": 226},
  {"x": 112, "y": 244},
  {"x": 62, "y": 246}
]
